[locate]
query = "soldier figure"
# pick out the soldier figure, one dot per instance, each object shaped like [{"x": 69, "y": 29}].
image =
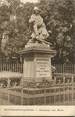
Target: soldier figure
[{"x": 39, "y": 29}]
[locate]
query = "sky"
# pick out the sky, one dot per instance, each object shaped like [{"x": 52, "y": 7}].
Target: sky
[{"x": 33, "y": 1}]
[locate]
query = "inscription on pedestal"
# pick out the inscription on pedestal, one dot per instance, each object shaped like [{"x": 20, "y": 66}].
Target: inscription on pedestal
[{"x": 42, "y": 67}]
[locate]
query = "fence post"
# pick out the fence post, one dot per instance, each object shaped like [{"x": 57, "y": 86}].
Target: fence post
[
  {"x": 72, "y": 88},
  {"x": 64, "y": 90},
  {"x": 8, "y": 90},
  {"x": 22, "y": 91},
  {"x": 74, "y": 68},
  {"x": 22, "y": 96},
  {"x": 68, "y": 92}
]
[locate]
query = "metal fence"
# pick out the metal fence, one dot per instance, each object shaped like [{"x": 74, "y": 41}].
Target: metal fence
[
  {"x": 11, "y": 66},
  {"x": 58, "y": 93},
  {"x": 65, "y": 68},
  {"x": 63, "y": 94},
  {"x": 18, "y": 67}
]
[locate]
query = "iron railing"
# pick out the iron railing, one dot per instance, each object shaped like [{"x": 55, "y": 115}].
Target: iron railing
[
  {"x": 60, "y": 93},
  {"x": 18, "y": 67}
]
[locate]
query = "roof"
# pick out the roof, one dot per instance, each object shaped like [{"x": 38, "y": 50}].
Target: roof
[{"x": 9, "y": 74}]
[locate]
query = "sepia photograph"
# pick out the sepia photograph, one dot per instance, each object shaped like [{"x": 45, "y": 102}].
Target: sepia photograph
[{"x": 37, "y": 52}]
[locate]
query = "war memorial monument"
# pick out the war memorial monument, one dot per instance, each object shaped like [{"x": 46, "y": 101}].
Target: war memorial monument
[
  {"x": 37, "y": 87},
  {"x": 37, "y": 53}
]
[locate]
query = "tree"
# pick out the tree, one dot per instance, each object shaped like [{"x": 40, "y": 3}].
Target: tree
[
  {"x": 58, "y": 16},
  {"x": 17, "y": 25}
]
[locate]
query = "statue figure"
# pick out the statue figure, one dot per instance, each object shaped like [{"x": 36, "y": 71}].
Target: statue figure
[{"x": 39, "y": 33}]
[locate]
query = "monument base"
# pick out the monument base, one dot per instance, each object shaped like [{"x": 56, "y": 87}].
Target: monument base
[{"x": 37, "y": 62}]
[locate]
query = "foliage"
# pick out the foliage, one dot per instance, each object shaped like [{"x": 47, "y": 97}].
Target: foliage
[
  {"x": 58, "y": 16},
  {"x": 16, "y": 24}
]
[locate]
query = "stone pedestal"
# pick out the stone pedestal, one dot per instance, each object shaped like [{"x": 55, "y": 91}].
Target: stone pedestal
[{"x": 37, "y": 63}]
